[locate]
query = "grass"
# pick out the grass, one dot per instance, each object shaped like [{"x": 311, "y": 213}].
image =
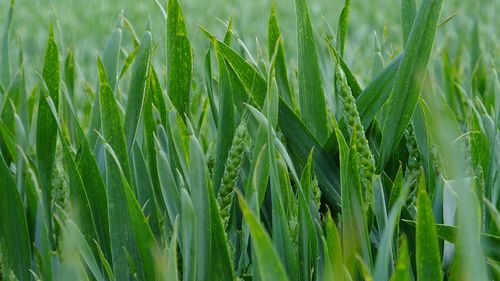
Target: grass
[{"x": 185, "y": 151}]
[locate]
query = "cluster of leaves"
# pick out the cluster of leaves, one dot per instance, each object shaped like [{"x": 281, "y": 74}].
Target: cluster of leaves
[{"x": 248, "y": 177}]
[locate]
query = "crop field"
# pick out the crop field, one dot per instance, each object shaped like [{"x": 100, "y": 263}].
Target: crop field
[{"x": 249, "y": 140}]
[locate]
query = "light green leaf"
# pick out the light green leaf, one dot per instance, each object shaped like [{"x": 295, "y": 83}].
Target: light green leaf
[
  {"x": 170, "y": 191},
  {"x": 226, "y": 125},
  {"x": 408, "y": 13},
  {"x": 300, "y": 142},
  {"x": 311, "y": 95},
  {"x": 73, "y": 232},
  {"x": 179, "y": 59},
  {"x": 112, "y": 128},
  {"x": 119, "y": 220},
  {"x": 221, "y": 263},
  {"x": 46, "y": 132},
  {"x": 145, "y": 192},
  {"x": 343, "y": 24},
  {"x": 270, "y": 266},
  {"x": 4, "y": 55},
  {"x": 333, "y": 249},
  {"x": 146, "y": 243},
  {"x": 198, "y": 187},
  {"x": 402, "y": 272},
  {"x": 410, "y": 77},
  {"x": 376, "y": 93},
  {"x": 274, "y": 40},
  {"x": 255, "y": 85},
  {"x": 354, "y": 233},
  {"x": 96, "y": 194},
  {"x": 135, "y": 99},
  {"x": 111, "y": 54},
  {"x": 189, "y": 244},
  {"x": 428, "y": 259},
  {"x": 78, "y": 196},
  {"x": 110, "y": 61},
  {"x": 384, "y": 258}
]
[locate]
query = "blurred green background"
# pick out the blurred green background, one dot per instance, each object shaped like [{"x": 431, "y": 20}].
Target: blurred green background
[{"x": 87, "y": 23}]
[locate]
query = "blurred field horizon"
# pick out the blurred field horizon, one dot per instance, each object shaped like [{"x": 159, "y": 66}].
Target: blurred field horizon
[{"x": 87, "y": 25}]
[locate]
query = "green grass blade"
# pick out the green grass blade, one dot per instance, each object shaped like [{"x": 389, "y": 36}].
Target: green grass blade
[
  {"x": 198, "y": 184},
  {"x": 135, "y": 99},
  {"x": 384, "y": 253},
  {"x": 145, "y": 191},
  {"x": 228, "y": 37},
  {"x": 209, "y": 85},
  {"x": 85, "y": 250},
  {"x": 343, "y": 24},
  {"x": 70, "y": 71},
  {"x": 110, "y": 61},
  {"x": 428, "y": 259},
  {"x": 129, "y": 59},
  {"x": 169, "y": 189},
  {"x": 408, "y": 13},
  {"x": 4, "y": 52},
  {"x": 112, "y": 128},
  {"x": 255, "y": 85},
  {"x": 69, "y": 82},
  {"x": 354, "y": 233},
  {"x": 282, "y": 237},
  {"x": 300, "y": 142},
  {"x": 111, "y": 55},
  {"x": 373, "y": 97},
  {"x": 14, "y": 237},
  {"x": 334, "y": 250},
  {"x": 274, "y": 34},
  {"x": 78, "y": 196},
  {"x": 221, "y": 264},
  {"x": 189, "y": 244},
  {"x": 311, "y": 95},
  {"x": 120, "y": 228},
  {"x": 351, "y": 80},
  {"x": 46, "y": 132},
  {"x": 96, "y": 194},
  {"x": 410, "y": 77},
  {"x": 308, "y": 248},
  {"x": 402, "y": 272},
  {"x": 153, "y": 100},
  {"x": 490, "y": 243},
  {"x": 172, "y": 269},
  {"x": 119, "y": 220},
  {"x": 146, "y": 243},
  {"x": 178, "y": 148},
  {"x": 226, "y": 121},
  {"x": 270, "y": 266},
  {"x": 179, "y": 59}
]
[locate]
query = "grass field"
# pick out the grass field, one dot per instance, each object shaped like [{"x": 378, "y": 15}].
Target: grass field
[
  {"x": 88, "y": 23},
  {"x": 249, "y": 140}
]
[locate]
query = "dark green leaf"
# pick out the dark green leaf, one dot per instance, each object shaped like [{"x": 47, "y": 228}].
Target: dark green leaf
[
  {"x": 179, "y": 59},
  {"x": 135, "y": 99},
  {"x": 428, "y": 259},
  {"x": 14, "y": 238},
  {"x": 311, "y": 95},
  {"x": 270, "y": 266},
  {"x": 410, "y": 77}
]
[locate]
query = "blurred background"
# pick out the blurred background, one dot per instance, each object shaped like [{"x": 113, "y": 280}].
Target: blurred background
[{"x": 87, "y": 23}]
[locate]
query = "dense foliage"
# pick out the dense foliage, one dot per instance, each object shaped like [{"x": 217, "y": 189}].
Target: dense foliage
[{"x": 246, "y": 168}]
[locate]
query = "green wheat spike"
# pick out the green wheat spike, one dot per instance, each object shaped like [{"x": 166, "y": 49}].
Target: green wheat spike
[
  {"x": 355, "y": 127},
  {"x": 231, "y": 171}
]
